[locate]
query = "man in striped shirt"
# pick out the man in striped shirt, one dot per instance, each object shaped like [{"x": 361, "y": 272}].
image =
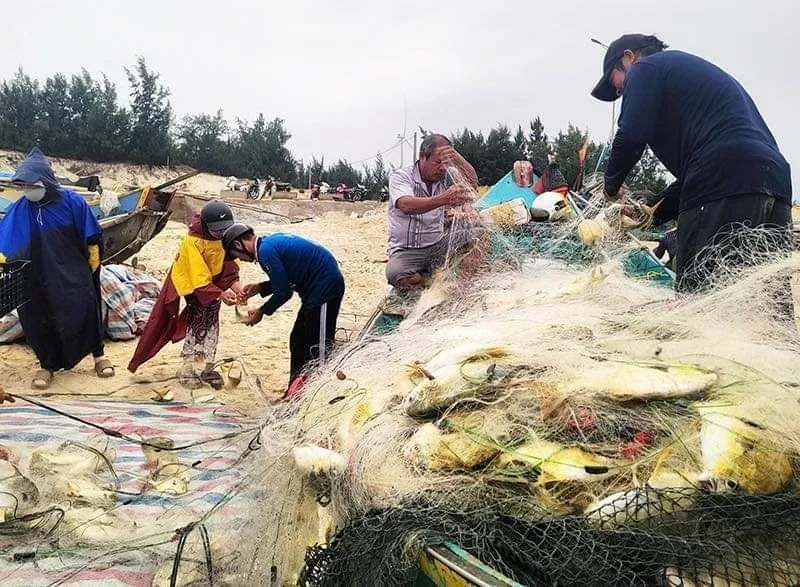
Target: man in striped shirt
[{"x": 419, "y": 236}]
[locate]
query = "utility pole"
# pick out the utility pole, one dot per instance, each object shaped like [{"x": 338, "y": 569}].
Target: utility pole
[
  {"x": 414, "y": 154},
  {"x": 401, "y": 152}
]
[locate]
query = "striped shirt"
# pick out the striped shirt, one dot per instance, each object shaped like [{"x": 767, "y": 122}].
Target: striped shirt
[{"x": 414, "y": 231}]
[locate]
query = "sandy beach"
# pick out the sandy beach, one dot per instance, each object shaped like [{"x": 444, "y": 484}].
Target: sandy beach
[{"x": 355, "y": 233}]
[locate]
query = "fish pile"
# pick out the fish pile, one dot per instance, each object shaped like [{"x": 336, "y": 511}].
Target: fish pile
[
  {"x": 539, "y": 392},
  {"x": 619, "y": 441},
  {"x": 600, "y": 423}
]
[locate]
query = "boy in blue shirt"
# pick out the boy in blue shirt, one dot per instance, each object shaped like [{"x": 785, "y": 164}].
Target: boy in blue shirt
[
  {"x": 294, "y": 264},
  {"x": 706, "y": 130}
]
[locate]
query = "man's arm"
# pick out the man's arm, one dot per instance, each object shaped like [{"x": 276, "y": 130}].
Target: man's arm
[
  {"x": 670, "y": 204},
  {"x": 454, "y": 196},
  {"x": 401, "y": 196},
  {"x": 281, "y": 288},
  {"x": 641, "y": 103},
  {"x": 624, "y": 155}
]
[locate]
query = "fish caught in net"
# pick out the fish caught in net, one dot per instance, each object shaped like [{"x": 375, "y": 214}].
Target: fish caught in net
[{"x": 560, "y": 414}]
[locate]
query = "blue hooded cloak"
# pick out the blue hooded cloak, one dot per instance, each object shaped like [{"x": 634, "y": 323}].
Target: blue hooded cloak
[{"x": 62, "y": 321}]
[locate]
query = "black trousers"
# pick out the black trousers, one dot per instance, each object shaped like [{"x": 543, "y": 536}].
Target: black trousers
[
  {"x": 312, "y": 326},
  {"x": 714, "y": 237}
]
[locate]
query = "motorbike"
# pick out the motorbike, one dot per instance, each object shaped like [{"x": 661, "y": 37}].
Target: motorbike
[{"x": 354, "y": 194}]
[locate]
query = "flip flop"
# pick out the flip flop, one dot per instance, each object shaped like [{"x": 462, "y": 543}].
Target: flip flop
[
  {"x": 104, "y": 368},
  {"x": 189, "y": 379},
  {"x": 235, "y": 372},
  {"x": 42, "y": 379},
  {"x": 213, "y": 378}
]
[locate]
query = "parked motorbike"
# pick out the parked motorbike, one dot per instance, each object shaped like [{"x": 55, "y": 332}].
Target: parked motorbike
[{"x": 354, "y": 194}]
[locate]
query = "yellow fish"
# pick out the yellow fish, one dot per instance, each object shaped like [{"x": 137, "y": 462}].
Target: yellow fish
[
  {"x": 624, "y": 382},
  {"x": 736, "y": 455},
  {"x": 547, "y": 461},
  {"x": 444, "y": 387},
  {"x": 435, "y": 450}
]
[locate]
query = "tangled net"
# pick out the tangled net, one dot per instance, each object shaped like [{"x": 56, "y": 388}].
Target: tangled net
[{"x": 561, "y": 415}]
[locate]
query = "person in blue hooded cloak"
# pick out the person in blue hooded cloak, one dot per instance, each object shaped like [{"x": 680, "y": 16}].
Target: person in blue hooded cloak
[{"x": 54, "y": 229}]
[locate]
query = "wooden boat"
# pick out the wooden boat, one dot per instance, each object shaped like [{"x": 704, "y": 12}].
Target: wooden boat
[
  {"x": 129, "y": 221},
  {"x": 449, "y": 565}
]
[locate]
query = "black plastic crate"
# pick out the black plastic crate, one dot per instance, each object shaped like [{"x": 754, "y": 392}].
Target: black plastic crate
[{"x": 14, "y": 285}]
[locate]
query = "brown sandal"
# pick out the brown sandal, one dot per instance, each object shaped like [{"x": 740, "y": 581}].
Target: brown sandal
[{"x": 104, "y": 368}]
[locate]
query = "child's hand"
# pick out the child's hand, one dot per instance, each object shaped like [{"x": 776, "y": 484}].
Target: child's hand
[
  {"x": 229, "y": 298},
  {"x": 250, "y": 290}
]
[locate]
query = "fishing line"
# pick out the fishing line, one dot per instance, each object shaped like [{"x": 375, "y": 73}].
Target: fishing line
[{"x": 117, "y": 434}]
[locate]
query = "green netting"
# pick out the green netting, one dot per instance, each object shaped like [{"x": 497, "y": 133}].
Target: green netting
[
  {"x": 385, "y": 323},
  {"x": 543, "y": 239},
  {"x": 640, "y": 264},
  {"x": 645, "y": 537}
]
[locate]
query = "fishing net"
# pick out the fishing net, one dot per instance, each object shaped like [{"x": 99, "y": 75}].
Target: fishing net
[
  {"x": 650, "y": 537},
  {"x": 560, "y": 414},
  {"x": 548, "y": 404}
]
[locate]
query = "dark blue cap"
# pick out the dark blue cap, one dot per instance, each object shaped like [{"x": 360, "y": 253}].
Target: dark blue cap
[{"x": 604, "y": 90}]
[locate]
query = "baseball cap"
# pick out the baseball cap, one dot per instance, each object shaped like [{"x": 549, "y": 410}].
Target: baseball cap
[{"x": 604, "y": 90}]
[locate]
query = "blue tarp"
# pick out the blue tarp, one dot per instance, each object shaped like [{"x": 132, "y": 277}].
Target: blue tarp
[{"x": 506, "y": 190}]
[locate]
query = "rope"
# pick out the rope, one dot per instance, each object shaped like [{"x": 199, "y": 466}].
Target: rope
[{"x": 117, "y": 434}]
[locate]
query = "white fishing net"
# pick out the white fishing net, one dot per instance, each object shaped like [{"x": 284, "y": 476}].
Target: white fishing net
[
  {"x": 558, "y": 412},
  {"x": 562, "y": 414}
]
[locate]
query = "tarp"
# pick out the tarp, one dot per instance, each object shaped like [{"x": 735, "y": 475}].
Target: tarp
[
  {"x": 213, "y": 475},
  {"x": 506, "y": 190}
]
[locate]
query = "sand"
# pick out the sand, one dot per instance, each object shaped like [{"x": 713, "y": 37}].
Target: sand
[
  {"x": 122, "y": 177},
  {"x": 359, "y": 243}
]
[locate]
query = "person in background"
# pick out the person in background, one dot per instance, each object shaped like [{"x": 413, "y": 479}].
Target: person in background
[
  {"x": 55, "y": 230},
  {"x": 202, "y": 275},
  {"x": 419, "y": 236},
  {"x": 707, "y": 131},
  {"x": 293, "y": 264}
]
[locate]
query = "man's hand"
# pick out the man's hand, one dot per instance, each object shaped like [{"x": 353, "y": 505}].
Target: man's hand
[
  {"x": 229, "y": 297},
  {"x": 447, "y": 154},
  {"x": 610, "y": 197},
  {"x": 5, "y": 397},
  {"x": 254, "y": 317},
  {"x": 456, "y": 195},
  {"x": 621, "y": 194}
]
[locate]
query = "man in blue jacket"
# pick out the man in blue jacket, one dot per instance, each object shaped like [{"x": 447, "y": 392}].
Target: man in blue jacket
[
  {"x": 294, "y": 264},
  {"x": 706, "y": 130}
]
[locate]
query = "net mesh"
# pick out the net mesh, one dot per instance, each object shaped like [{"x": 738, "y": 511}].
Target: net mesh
[
  {"x": 562, "y": 415},
  {"x": 647, "y": 537},
  {"x": 548, "y": 404}
]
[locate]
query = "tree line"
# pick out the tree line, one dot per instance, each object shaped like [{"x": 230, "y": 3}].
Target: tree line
[{"x": 81, "y": 117}]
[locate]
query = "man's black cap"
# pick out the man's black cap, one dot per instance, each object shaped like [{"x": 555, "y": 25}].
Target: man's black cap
[{"x": 604, "y": 90}]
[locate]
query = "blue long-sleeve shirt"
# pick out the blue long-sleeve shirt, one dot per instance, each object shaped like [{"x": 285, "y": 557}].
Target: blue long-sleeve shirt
[
  {"x": 296, "y": 264},
  {"x": 704, "y": 128}
]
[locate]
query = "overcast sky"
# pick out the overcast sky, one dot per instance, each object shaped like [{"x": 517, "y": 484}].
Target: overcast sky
[{"x": 339, "y": 71}]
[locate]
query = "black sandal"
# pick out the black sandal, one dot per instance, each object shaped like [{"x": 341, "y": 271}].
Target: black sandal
[{"x": 213, "y": 378}]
